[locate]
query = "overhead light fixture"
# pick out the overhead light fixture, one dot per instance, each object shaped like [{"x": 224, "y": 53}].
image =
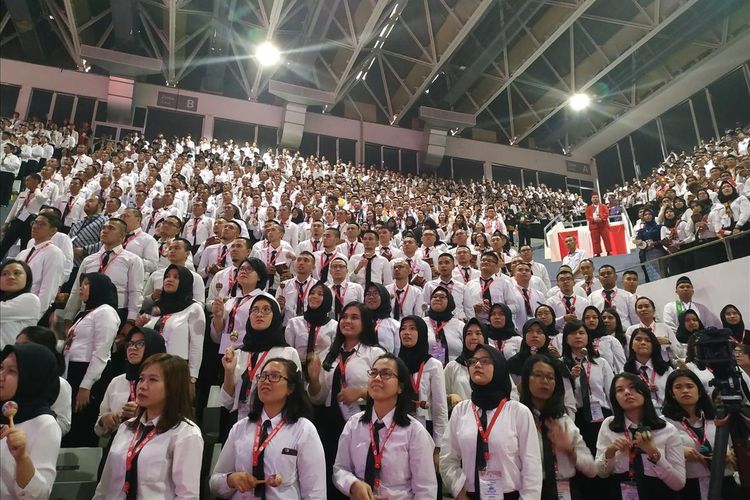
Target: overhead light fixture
[
  {"x": 579, "y": 101},
  {"x": 513, "y": 140},
  {"x": 267, "y": 54}
]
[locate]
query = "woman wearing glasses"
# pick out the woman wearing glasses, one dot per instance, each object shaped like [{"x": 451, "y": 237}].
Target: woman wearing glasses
[
  {"x": 339, "y": 383},
  {"x": 276, "y": 439},
  {"x": 118, "y": 403},
  {"x": 264, "y": 339},
  {"x": 457, "y": 381},
  {"x": 492, "y": 448},
  {"x": 378, "y": 301},
  {"x": 384, "y": 452},
  {"x": 443, "y": 328}
]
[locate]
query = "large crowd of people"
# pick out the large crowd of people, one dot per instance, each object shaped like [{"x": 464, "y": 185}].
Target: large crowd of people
[{"x": 370, "y": 334}]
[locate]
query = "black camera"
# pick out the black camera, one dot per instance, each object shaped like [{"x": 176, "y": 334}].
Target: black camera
[{"x": 714, "y": 349}]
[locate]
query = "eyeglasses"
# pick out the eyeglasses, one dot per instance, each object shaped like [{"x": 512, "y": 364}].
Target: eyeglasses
[
  {"x": 246, "y": 269},
  {"x": 439, "y": 297},
  {"x": 272, "y": 377},
  {"x": 384, "y": 374},
  {"x": 543, "y": 376},
  {"x": 138, "y": 344},
  {"x": 373, "y": 293},
  {"x": 261, "y": 310},
  {"x": 478, "y": 361}
]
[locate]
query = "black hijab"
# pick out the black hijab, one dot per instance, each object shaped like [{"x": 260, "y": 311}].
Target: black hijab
[
  {"x": 420, "y": 352},
  {"x": 38, "y": 382},
  {"x": 466, "y": 353},
  {"x": 263, "y": 340},
  {"x": 549, "y": 330},
  {"x": 724, "y": 198},
  {"x": 488, "y": 396},
  {"x": 154, "y": 345},
  {"x": 682, "y": 334},
  {"x": 506, "y": 332},
  {"x": 384, "y": 311},
  {"x": 739, "y": 333},
  {"x": 447, "y": 315},
  {"x": 515, "y": 363},
  {"x": 319, "y": 316},
  {"x": 101, "y": 291},
  {"x": 180, "y": 299}
]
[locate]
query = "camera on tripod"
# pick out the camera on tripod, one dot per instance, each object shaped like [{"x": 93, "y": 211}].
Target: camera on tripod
[{"x": 715, "y": 350}]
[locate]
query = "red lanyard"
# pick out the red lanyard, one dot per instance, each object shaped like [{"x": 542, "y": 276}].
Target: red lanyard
[
  {"x": 378, "y": 454},
  {"x": 251, "y": 370},
  {"x": 485, "y": 434},
  {"x": 342, "y": 369},
  {"x": 437, "y": 329},
  {"x": 325, "y": 264},
  {"x": 693, "y": 435},
  {"x": 134, "y": 449},
  {"x": 237, "y": 304},
  {"x": 315, "y": 333},
  {"x": 631, "y": 454},
  {"x": 271, "y": 261},
  {"x": 416, "y": 384},
  {"x": 131, "y": 383},
  {"x": 103, "y": 269},
  {"x": 404, "y": 293},
  {"x": 258, "y": 447},
  {"x": 351, "y": 249},
  {"x": 340, "y": 298},
  {"x": 29, "y": 197},
  {"x": 37, "y": 252},
  {"x": 569, "y": 309},
  {"x": 302, "y": 294},
  {"x": 161, "y": 323},
  {"x": 652, "y": 385},
  {"x": 486, "y": 285}
]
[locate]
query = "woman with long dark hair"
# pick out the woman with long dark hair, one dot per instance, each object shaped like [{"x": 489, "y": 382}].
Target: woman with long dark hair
[
  {"x": 264, "y": 338},
  {"x": 62, "y": 407},
  {"x": 444, "y": 329},
  {"x": 732, "y": 318},
  {"x": 688, "y": 407},
  {"x": 118, "y": 404},
  {"x": 339, "y": 382},
  {"x": 282, "y": 438},
  {"x": 492, "y": 443},
  {"x": 502, "y": 331},
  {"x": 312, "y": 333},
  {"x": 606, "y": 342},
  {"x": 457, "y": 381},
  {"x": 640, "y": 453},
  {"x": 645, "y": 361},
  {"x": 613, "y": 326},
  {"x": 30, "y": 441},
  {"x": 157, "y": 453},
  {"x": 178, "y": 318},
  {"x": 87, "y": 350},
  {"x": 384, "y": 452},
  {"x": 564, "y": 452},
  {"x": 19, "y": 307},
  {"x": 427, "y": 379},
  {"x": 378, "y": 301}
]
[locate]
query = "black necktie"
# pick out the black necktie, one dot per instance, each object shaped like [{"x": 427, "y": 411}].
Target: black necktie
[
  {"x": 223, "y": 255},
  {"x": 549, "y": 484},
  {"x": 336, "y": 382},
  {"x": 271, "y": 277},
  {"x": 31, "y": 252},
  {"x": 258, "y": 471},
  {"x": 370, "y": 473},
  {"x": 326, "y": 265},
  {"x": 466, "y": 274},
  {"x": 131, "y": 476},
  {"x": 585, "y": 392},
  {"x": 637, "y": 464},
  {"x": 608, "y": 298},
  {"x": 300, "y": 298},
  {"x": 316, "y": 243},
  {"x": 486, "y": 295},
  {"x": 105, "y": 261},
  {"x": 68, "y": 206},
  {"x": 568, "y": 305},
  {"x": 479, "y": 460},
  {"x": 368, "y": 271},
  {"x": 397, "y": 305},
  {"x": 338, "y": 302},
  {"x": 527, "y": 302}
]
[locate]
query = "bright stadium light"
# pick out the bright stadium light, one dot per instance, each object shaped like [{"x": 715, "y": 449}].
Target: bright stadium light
[
  {"x": 267, "y": 54},
  {"x": 579, "y": 102}
]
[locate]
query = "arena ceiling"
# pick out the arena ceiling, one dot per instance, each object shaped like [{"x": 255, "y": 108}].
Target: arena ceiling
[{"x": 513, "y": 64}]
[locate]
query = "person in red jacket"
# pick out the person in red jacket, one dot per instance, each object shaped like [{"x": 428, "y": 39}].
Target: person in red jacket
[{"x": 597, "y": 214}]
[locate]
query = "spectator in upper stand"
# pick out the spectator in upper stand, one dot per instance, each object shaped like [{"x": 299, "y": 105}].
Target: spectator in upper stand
[
  {"x": 597, "y": 215},
  {"x": 574, "y": 257},
  {"x": 672, "y": 310},
  {"x": 588, "y": 282},
  {"x": 537, "y": 268}
]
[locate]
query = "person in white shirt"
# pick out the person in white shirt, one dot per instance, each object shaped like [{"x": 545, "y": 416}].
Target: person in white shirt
[
  {"x": 339, "y": 382},
  {"x": 522, "y": 298},
  {"x": 369, "y": 266},
  {"x": 672, "y": 310},
  {"x": 45, "y": 259},
  {"x": 406, "y": 299},
  {"x": 140, "y": 243},
  {"x": 421, "y": 271},
  {"x": 574, "y": 257},
  {"x": 444, "y": 329},
  {"x": 276, "y": 253},
  {"x": 10, "y": 165},
  {"x": 292, "y": 293},
  {"x": 588, "y": 282},
  {"x": 325, "y": 255},
  {"x": 344, "y": 291},
  {"x": 622, "y": 438},
  {"x": 567, "y": 305},
  {"x": 351, "y": 246},
  {"x": 199, "y": 227},
  {"x": 179, "y": 250},
  {"x": 19, "y": 307},
  {"x": 492, "y": 443},
  {"x": 404, "y": 467},
  {"x": 537, "y": 268},
  {"x": 225, "y": 279},
  {"x": 87, "y": 351},
  {"x": 61, "y": 240},
  {"x": 288, "y": 445},
  {"x": 564, "y": 452},
  {"x": 312, "y": 333},
  {"x": 30, "y": 442},
  {"x": 178, "y": 318},
  {"x": 671, "y": 347},
  {"x": 611, "y": 296},
  {"x": 23, "y": 212},
  {"x": 157, "y": 453},
  {"x": 645, "y": 361},
  {"x": 378, "y": 301},
  {"x": 445, "y": 266},
  {"x": 464, "y": 272},
  {"x": 118, "y": 404}
]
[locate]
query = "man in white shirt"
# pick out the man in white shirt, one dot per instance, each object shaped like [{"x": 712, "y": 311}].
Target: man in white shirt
[
  {"x": 276, "y": 253},
  {"x": 537, "y": 268},
  {"x": 420, "y": 270},
  {"x": 523, "y": 299},
  {"x": 487, "y": 289},
  {"x": 10, "y": 165},
  {"x": 71, "y": 206},
  {"x": 351, "y": 246},
  {"x": 589, "y": 283},
  {"x": 370, "y": 266},
  {"x": 324, "y": 257},
  {"x": 23, "y": 212},
  {"x": 428, "y": 251},
  {"x": 291, "y": 230},
  {"x": 567, "y": 305},
  {"x": 463, "y": 272},
  {"x": 223, "y": 281},
  {"x": 141, "y": 244},
  {"x": 315, "y": 242},
  {"x": 406, "y": 299},
  {"x": 672, "y": 310},
  {"x": 199, "y": 227},
  {"x": 45, "y": 259},
  {"x": 292, "y": 293},
  {"x": 49, "y": 187},
  {"x": 385, "y": 246},
  {"x": 61, "y": 241},
  {"x": 574, "y": 257},
  {"x": 344, "y": 291},
  {"x": 611, "y": 296}
]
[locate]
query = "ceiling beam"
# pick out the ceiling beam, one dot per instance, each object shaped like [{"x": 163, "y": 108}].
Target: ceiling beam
[
  {"x": 171, "y": 37},
  {"x": 274, "y": 20},
  {"x": 583, "y": 6},
  {"x": 445, "y": 56},
  {"x": 622, "y": 57},
  {"x": 73, "y": 29}
]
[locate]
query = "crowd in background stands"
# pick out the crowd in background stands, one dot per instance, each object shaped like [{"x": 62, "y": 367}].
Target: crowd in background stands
[{"x": 336, "y": 305}]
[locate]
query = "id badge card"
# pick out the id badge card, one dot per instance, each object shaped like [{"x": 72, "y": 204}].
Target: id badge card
[
  {"x": 490, "y": 487},
  {"x": 438, "y": 352},
  {"x": 563, "y": 489},
  {"x": 629, "y": 490},
  {"x": 597, "y": 415},
  {"x": 703, "y": 483}
]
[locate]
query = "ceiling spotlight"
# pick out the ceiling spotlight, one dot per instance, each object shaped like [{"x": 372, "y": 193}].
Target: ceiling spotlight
[
  {"x": 579, "y": 101},
  {"x": 267, "y": 54}
]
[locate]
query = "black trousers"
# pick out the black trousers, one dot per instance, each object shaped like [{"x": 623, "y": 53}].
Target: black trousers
[
  {"x": 524, "y": 236},
  {"x": 6, "y": 187},
  {"x": 82, "y": 423},
  {"x": 17, "y": 230}
]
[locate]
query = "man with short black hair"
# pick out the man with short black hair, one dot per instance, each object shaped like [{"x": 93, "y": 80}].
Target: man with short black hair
[
  {"x": 138, "y": 242},
  {"x": 611, "y": 296},
  {"x": 23, "y": 212},
  {"x": 672, "y": 310},
  {"x": 574, "y": 256},
  {"x": 369, "y": 266}
]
